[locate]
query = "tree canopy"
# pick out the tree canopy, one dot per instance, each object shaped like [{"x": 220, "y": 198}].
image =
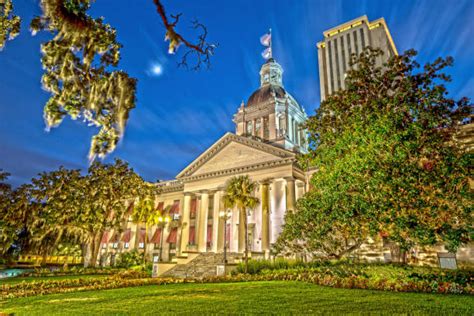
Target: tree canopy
[
  {"x": 65, "y": 206},
  {"x": 386, "y": 162},
  {"x": 80, "y": 64}
]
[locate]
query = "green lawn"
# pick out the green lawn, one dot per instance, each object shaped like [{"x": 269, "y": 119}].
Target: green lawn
[
  {"x": 49, "y": 278},
  {"x": 277, "y": 297}
]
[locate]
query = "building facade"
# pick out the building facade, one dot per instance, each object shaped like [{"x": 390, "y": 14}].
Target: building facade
[
  {"x": 268, "y": 137},
  {"x": 340, "y": 42}
]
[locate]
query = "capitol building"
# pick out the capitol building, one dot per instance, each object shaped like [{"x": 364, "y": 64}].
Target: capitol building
[{"x": 268, "y": 137}]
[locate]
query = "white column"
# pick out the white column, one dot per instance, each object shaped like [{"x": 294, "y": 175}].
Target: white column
[
  {"x": 290, "y": 194},
  {"x": 234, "y": 230},
  {"x": 202, "y": 227},
  {"x": 185, "y": 222},
  {"x": 216, "y": 221}
]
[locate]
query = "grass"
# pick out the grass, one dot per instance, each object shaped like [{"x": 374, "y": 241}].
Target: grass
[
  {"x": 275, "y": 297},
  {"x": 16, "y": 280}
]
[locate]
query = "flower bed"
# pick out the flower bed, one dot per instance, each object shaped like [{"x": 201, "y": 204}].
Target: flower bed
[
  {"x": 323, "y": 278},
  {"x": 72, "y": 271}
]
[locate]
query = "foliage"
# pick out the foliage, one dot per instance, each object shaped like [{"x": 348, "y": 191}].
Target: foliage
[
  {"x": 144, "y": 211},
  {"x": 386, "y": 162},
  {"x": 76, "y": 63},
  {"x": 339, "y": 276},
  {"x": 79, "y": 63},
  {"x": 64, "y": 206},
  {"x": 9, "y": 22},
  {"x": 68, "y": 249},
  {"x": 71, "y": 271},
  {"x": 239, "y": 193},
  {"x": 368, "y": 275},
  {"x": 130, "y": 258}
]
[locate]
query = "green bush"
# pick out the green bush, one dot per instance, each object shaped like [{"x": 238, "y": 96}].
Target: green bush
[
  {"x": 130, "y": 259},
  {"x": 75, "y": 270}
]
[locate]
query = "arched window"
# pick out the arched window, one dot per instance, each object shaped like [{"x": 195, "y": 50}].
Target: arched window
[{"x": 249, "y": 127}]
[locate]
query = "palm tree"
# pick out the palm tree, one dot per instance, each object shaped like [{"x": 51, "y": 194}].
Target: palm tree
[
  {"x": 239, "y": 193},
  {"x": 144, "y": 212}
]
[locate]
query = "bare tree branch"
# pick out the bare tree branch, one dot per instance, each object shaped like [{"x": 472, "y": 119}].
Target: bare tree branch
[{"x": 201, "y": 48}]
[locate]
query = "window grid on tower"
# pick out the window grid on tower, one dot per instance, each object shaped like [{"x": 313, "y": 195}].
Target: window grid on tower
[
  {"x": 349, "y": 47},
  {"x": 331, "y": 75},
  {"x": 355, "y": 43},
  {"x": 338, "y": 75},
  {"x": 362, "y": 38},
  {"x": 343, "y": 51}
]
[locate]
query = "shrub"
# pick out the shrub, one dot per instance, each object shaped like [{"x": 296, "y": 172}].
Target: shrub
[{"x": 130, "y": 258}]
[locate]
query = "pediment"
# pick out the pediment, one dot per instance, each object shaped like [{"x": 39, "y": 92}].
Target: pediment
[{"x": 232, "y": 151}]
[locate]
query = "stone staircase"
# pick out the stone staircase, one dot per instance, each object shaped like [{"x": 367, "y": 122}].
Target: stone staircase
[{"x": 204, "y": 265}]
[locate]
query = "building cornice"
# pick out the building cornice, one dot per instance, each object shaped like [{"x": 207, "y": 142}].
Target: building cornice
[
  {"x": 243, "y": 169},
  {"x": 222, "y": 142}
]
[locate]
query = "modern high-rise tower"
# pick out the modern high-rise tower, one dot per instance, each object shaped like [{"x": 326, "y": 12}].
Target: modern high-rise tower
[{"x": 350, "y": 38}]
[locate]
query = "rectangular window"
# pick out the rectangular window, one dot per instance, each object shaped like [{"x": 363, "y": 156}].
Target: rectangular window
[
  {"x": 115, "y": 245},
  {"x": 193, "y": 208},
  {"x": 210, "y": 208},
  {"x": 349, "y": 47},
  {"x": 141, "y": 245},
  {"x": 258, "y": 126},
  {"x": 104, "y": 245},
  {"x": 282, "y": 127},
  {"x": 266, "y": 128},
  {"x": 249, "y": 127},
  {"x": 126, "y": 245},
  {"x": 156, "y": 246}
]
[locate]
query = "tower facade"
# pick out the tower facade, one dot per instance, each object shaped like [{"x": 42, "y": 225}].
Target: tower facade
[
  {"x": 271, "y": 114},
  {"x": 342, "y": 41}
]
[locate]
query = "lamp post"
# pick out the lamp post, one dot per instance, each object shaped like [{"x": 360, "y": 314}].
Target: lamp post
[
  {"x": 225, "y": 215},
  {"x": 162, "y": 221}
]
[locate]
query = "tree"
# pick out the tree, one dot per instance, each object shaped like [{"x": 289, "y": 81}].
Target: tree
[
  {"x": 58, "y": 195},
  {"x": 107, "y": 192},
  {"x": 79, "y": 61},
  {"x": 144, "y": 211},
  {"x": 386, "y": 160},
  {"x": 9, "y": 23},
  {"x": 239, "y": 193},
  {"x": 7, "y": 232}
]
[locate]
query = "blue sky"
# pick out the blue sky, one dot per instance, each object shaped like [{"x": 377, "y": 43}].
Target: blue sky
[{"x": 180, "y": 113}]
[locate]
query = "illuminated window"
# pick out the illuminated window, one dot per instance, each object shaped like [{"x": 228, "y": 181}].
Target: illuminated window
[
  {"x": 249, "y": 127},
  {"x": 258, "y": 126},
  {"x": 266, "y": 129}
]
